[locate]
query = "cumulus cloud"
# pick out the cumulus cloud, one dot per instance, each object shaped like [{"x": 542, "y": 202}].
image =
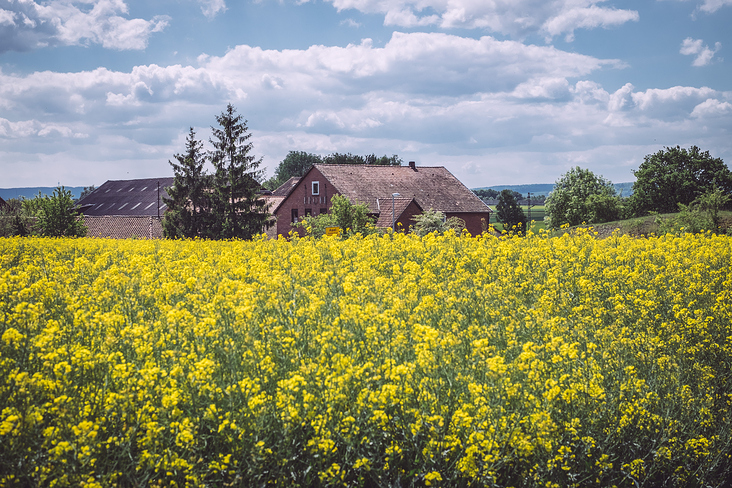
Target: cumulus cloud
[
  {"x": 510, "y": 17},
  {"x": 712, "y": 108},
  {"x": 696, "y": 47},
  {"x": 27, "y": 25},
  {"x": 430, "y": 97},
  {"x": 25, "y": 129}
]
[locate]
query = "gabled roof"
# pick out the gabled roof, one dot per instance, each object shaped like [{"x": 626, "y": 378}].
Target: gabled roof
[
  {"x": 285, "y": 187},
  {"x": 432, "y": 187},
  {"x": 127, "y": 198},
  {"x": 385, "y": 215},
  {"x": 2, "y": 202}
]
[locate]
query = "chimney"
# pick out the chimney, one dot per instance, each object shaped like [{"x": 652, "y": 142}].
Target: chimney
[{"x": 413, "y": 165}]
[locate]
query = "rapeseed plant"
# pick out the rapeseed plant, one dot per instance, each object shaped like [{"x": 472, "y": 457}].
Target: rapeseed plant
[{"x": 382, "y": 360}]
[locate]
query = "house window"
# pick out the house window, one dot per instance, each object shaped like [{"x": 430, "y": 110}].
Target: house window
[
  {"x": 294, "y": 216},
  {"x": 323, "y": 210},
  {"x": 316, "y": 188},
  {"x": 308, "y": 212}
]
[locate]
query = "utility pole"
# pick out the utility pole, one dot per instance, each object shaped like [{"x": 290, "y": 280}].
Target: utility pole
[{"x": 158, "y": 205}]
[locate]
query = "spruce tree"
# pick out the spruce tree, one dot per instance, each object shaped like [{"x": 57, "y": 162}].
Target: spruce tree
[
  {"x": 237, "y": 211},
  {"x": 188, "y": 203}
]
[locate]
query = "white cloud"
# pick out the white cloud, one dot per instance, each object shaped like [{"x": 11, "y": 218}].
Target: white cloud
[
  {"x": 696, "y": 47},
  {"x": 712, "y": 6},
  {"x": 511, "y": 17},
  {"x": 27, "y": 25},
  {"x": 351, "y": 23},
  {"x": 709, "y": 6},
  {"x": 486, "y": 109},
  {"x": 586, "y": 18},
  {"x": 24, "y": 129},
  {"x": 712, "y": 108},
  {"x": 211, "y": 8}
]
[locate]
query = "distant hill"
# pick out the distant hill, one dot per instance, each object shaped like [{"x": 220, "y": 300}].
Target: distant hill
[
  {"x": 546, "y": 188},
  {"x": 30, "y": 192}
]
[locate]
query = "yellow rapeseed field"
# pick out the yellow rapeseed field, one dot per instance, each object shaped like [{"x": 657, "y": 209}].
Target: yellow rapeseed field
[{"x": 377, "y": 361}]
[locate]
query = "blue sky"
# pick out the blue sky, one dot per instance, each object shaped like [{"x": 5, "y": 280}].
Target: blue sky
[{"x": 498, "y": 91}]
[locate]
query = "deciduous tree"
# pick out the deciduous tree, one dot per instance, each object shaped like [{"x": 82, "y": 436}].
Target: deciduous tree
[
  {"x": 56, "y": 215},
  {"x": 676, "y": 175},
  {"x": 581, "y": 196},
  {"x": 352, "y": 218},
  {"x": 296, "y": 163}
]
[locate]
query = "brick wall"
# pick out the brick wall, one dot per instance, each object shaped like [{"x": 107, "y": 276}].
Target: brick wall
[{"x": 302, "y": 200}]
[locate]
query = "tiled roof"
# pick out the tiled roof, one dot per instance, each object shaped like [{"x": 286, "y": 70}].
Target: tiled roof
[
  {"x": 432, "y": 187},
  {"x": 116, "y": 227},
  {"x": 384, "y": 204},
  {"x": 127, "y": 198},
  {"x": 285, "y": 187}
]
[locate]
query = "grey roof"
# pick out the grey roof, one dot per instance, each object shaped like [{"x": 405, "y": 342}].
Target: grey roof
[{"x": 127, "y": 198}]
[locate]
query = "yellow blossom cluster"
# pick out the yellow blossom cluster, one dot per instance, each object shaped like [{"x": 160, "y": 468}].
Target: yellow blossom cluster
[{"x": 388, "y": 360}]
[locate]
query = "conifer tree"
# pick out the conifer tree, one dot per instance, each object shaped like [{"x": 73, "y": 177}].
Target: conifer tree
[
  {"x": 188, "y": 203},
  {"x": 237, "y": 209}
]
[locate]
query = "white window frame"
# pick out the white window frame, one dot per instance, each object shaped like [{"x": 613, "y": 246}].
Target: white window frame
[{"x": 315, "y": 188}]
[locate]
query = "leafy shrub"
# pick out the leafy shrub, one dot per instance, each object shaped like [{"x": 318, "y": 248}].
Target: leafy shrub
[
  {"x": 351, "y": 218},
  {"x": 435, "y": 221}
]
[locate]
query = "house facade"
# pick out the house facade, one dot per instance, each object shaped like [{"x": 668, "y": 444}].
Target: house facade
[{"x": 392, "y": 193}]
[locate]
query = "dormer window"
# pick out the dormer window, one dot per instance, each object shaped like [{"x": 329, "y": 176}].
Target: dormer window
[{"x": 316, "y": 188}]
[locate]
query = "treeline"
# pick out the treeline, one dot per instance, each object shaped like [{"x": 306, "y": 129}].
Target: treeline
[
  {"x": 689, "y": 182},
  {"x": 44, "y": 215},
  {"x": 296, "y": 163}
]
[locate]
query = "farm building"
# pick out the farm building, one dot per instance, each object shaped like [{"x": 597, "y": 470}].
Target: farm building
[
  {"x": 404, "y": 190},
  {"x": 123, "y": 209},
  {"x": 126, "y": 208}
]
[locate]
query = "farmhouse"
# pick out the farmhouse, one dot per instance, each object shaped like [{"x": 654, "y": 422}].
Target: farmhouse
[
  {"x": 126, "y": 208},
  {"x": 404, "y": 191}
]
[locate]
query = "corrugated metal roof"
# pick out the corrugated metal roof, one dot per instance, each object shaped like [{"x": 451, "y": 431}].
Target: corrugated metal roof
[{"x": 127, "y": 198}]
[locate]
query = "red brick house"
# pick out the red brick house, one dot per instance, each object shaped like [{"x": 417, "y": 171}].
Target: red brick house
[{"x": 410, "y": 189}]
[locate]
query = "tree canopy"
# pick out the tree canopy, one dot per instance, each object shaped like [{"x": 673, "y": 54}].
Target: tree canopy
[
  {"x": 676, "y": 176},
  {"x": 580, "y": 196},
  {"x": 296, "y": 163},
  {"x": 351, "y": 218},
  {"x": 46, "y": 215},
  {"x": 509, "y": 213}
]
